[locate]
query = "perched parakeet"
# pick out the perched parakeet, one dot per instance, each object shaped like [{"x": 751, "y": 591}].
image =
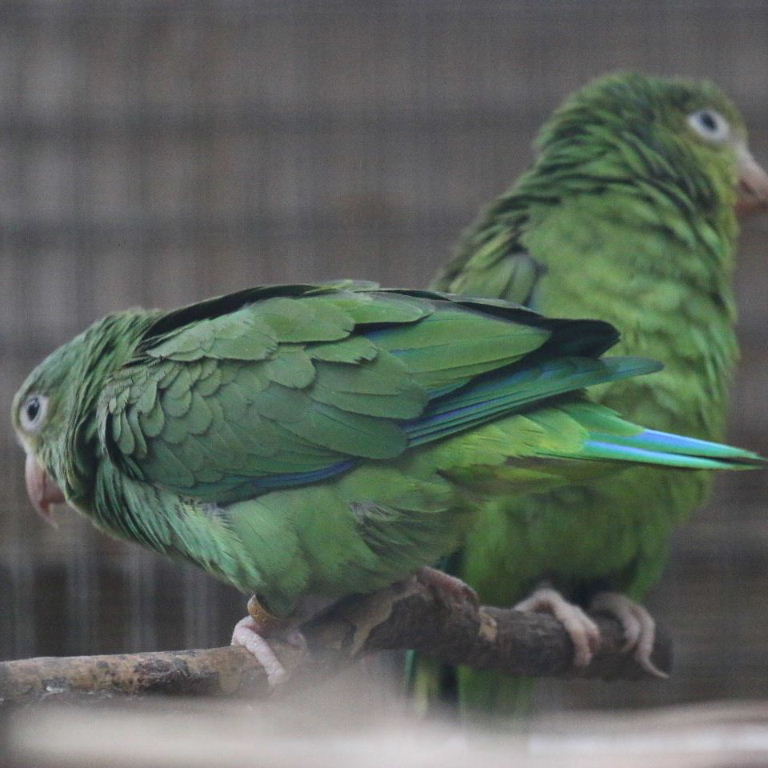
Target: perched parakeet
[
  {"x": 316, "y": 441},
  {"x": 628, "y": 214}
]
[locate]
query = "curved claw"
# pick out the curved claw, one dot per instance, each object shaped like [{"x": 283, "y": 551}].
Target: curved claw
[
  {"x": 584, "y": 633},
  {"x": 638, "y": 625}
]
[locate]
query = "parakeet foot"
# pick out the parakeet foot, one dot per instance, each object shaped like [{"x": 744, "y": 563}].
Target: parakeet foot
[
  {"x": 248, "y": 634},
  {"x": 639, "y": 626},
  {"x": 583, "y": 632},
  {"x": 447, "y": 587}
]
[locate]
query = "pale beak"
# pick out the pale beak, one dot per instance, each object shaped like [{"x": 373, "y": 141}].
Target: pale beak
[
  {"x": 753, "y": 185},
  {"x": 42, "y": 491}
]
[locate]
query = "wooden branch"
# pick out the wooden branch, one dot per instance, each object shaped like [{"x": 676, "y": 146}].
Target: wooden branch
[{"x": 403, "y": 616}]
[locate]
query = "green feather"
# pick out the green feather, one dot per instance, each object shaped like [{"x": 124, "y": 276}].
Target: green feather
[
  {"x": 291, "y": 474},
  {"x": 627, "y": 215}
]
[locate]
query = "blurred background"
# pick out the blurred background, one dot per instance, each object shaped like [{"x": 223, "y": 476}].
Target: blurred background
[{"x": 156, "y": 153}]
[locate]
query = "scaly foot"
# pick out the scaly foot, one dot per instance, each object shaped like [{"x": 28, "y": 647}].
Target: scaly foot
[
  {"x": 250, "y": 633},
  {"x": 447, "y": 588},
  {"x": 639, "y": 626},
  {"x": 583, "y": 632}
]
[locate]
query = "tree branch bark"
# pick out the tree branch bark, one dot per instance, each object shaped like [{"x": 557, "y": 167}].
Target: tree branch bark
[{"x": 409, "y": 615}]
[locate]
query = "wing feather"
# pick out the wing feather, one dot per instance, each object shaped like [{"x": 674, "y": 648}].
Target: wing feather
[{"x": 295, "y": 387}]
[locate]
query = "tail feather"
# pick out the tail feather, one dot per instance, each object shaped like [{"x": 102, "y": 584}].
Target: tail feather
[
  {"x": 670, "y": 450},
  {"x": 672, "y": 443},
  {"x": 512, "y": 391}
]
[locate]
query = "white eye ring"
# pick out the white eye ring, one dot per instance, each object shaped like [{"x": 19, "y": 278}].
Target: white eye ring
[
  {"x": 33, "y": 412},
  {"x": 710, "y": 125}
]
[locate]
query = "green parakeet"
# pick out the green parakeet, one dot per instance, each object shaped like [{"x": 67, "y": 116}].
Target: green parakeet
[
  {"x": 315, "y": 441},
  {"x": 628, "y": 214}
]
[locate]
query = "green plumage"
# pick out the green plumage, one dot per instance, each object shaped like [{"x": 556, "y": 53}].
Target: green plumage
[
  {"x": 627, "y": 215},
  {"x": 322, "y": 440}
]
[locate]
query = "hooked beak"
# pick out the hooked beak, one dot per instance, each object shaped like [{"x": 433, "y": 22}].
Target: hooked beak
[
  {"x": 753, "y": 185},
  {"x": 42, "y": 491}
]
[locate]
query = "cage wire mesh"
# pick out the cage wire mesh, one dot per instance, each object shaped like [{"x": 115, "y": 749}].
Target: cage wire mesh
[{"x": 155, "y": 153}]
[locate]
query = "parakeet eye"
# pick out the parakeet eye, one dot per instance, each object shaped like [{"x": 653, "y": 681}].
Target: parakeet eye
[
  {"x": 33, "y": 411},
  {"x": 710, "y": 125}
]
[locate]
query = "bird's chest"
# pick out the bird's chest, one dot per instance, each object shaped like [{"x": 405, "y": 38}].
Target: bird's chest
[
  {"x": 667, "y": 305},
  {"x": 615, "y": 529}
]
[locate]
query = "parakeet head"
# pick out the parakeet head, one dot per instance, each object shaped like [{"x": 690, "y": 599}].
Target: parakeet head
[
  {"x": 667, "y": 130},
  {"x": 50, "y": 410},
  {"x": 41, "y": 414}
]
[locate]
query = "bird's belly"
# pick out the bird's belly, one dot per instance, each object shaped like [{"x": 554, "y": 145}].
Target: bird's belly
[{"x": 613, "y": 532}]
